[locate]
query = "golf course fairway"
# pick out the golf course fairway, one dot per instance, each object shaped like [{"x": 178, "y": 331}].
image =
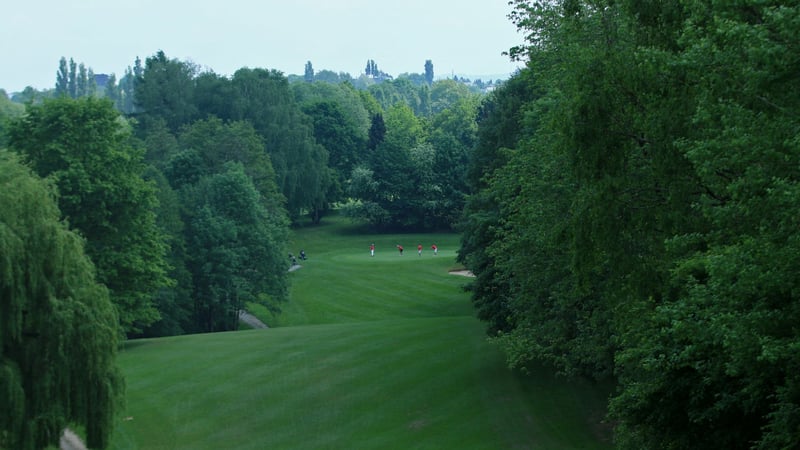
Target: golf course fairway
[{"x": 371, "y": 352}]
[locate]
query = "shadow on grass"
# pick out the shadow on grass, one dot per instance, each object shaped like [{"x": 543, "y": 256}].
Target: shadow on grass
[
  {"x": 577, "y": 394},
  {"x": 131, "y": 344}
]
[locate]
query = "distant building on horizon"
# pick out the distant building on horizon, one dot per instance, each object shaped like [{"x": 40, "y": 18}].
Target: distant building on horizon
[{"x": 101, "y": 79}]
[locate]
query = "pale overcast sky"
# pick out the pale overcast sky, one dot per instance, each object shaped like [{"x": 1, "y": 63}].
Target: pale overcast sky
[{"x": 463, "y": 37}]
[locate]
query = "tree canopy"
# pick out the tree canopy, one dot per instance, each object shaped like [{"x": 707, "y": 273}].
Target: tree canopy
[
  {"x": 83, "y": 147},
  {"x": 637, "y": 217},
  {"x": 58, "y": 328}
]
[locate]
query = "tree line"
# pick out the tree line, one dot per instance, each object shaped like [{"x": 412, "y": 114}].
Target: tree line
[{"x": 634, "y": 214}]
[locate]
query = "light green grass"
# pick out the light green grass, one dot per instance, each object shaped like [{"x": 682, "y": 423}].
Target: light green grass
[{"x": 372, "y": 353}]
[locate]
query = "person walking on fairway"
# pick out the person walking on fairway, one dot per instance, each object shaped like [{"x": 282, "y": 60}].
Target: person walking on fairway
[
  {"x": 372, "y": 249},
  {"x": 400, "y": 249},
  {"x": 419, "y": 249},
  {"x": 435, "y": 249}
]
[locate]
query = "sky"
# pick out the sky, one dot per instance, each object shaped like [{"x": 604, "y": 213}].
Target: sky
[{"x": 460, "y": 37}]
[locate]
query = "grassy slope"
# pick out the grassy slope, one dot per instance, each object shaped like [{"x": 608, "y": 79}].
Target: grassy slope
[{"x": 379, "y": 352}]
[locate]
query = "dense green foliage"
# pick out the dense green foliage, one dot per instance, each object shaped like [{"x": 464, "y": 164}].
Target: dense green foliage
[
  {"x": 414, "y": 177},
  {"x": 227, "y": 225},
  {"x": 642, "y": 222},
  {"x": 58, "y": 329},
  {"x": 238, "y": 250},
  {"x": 8, "y": 111},
  {"x": 83, "y": 147},
  {"x": 171, "y": 92}
]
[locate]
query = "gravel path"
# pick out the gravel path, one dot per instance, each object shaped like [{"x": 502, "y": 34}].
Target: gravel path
[
  {"x": 251, "y": 320},
  {"x": 70, "y": 441},
  {"x": 463, "y": 273}
]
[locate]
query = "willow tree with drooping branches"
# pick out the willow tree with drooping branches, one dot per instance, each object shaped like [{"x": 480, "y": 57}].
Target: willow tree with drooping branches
[{"x": 58, "y": 328}]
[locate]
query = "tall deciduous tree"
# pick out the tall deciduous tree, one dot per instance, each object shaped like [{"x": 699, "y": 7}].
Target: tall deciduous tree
[
  {"x": 72, "y": 84},
  {"x": 126, "y": 92},
  {"x": 309, "y": 72},
  {"x": 394, "y": 173},
  {"x": 499, "y": 130},
  {"x": 238, "y": 250},
  {"x": 91, "y": 83},
  {"x": 301, "y": 165},
  {"x": 62, "y": 78},
  {"x": 377, "y": 131},
  {"x": 112, "y": 90},
  {"x": 83, "y": 147},
  {"x": 344, "y": 143},
  {"x": 429, "y": 71},
  {"x": 165, "y": 90},
  {"x": 58, "y": 329},
  {"x": 82, "y": 88},
  {"x": 218, "y": 143}
]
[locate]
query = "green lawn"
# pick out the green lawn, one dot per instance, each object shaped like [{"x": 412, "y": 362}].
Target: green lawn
[{"x": 373, "y": 353}]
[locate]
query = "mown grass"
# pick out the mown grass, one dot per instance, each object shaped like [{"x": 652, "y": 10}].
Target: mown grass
[{"x": 370, "y": 353}]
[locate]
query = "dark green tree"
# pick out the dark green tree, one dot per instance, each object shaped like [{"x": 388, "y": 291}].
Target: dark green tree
[
  {"x": 238, "y": 251},
  {"x": 429, "y": 71},
  {"x": 213, "y": 155},
  {"x": 377, "y": 132},
  {"x": 82, "y": 88},
  {"x": 218, "y": 143},
  {"x": 126, "y": 92},
  {"x": 83, "y": 147},
  {"x": 72, "y": 83},
  {"x": 309, "y": 72},
  {"x": 640, "y": 224},
  {"x": 725, "y": 324},
  {"x": 174, "y": 302},
  {"x": 214, "y": 95},
  {"x": 58, "y": 329},
  {"x": 499, "y": 129},
  {"x": 392, "y": 169},
  {"x": 453, "y": 135},
  {"x": 112, "y": 91},
  {"x": 62, "y": 78},
  {"x": 301, "y": 165},
  {"x": 344, "y": 143},
  {"x": 165, "y": 90},
  {"x": 91, "y": 83},
  {"x": 343, "y": 95}
]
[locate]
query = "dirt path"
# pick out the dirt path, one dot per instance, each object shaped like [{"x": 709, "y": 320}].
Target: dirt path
[
  {"x": 70, "y": 441},
  {"x": 463, "y": 273},
  {"x": 251, "y": 320}
]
